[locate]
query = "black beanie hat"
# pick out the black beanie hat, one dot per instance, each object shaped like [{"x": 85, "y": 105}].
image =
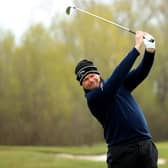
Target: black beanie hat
[{"x": 83, "y": 68}]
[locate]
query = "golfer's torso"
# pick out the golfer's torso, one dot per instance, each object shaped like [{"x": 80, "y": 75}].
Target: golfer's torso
[{"x": 124, "y": 121}]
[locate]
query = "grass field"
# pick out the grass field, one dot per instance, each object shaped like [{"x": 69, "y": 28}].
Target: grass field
[{"x": 45, "y": 157}]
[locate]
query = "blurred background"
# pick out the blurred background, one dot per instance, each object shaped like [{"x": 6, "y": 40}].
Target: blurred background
[{"x": 41, "y": 103}]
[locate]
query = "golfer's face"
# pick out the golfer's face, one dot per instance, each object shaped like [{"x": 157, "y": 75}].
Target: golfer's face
[{"x": 91, "y": 81}]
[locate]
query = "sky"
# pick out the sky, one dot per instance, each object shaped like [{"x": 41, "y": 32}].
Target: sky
[{"x": 17, "y": 15}]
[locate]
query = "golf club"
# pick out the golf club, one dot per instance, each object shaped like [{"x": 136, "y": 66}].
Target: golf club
[{"x": 68, "y": 11}]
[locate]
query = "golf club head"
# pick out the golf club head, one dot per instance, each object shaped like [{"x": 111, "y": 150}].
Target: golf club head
[{"x": 68, "y": 9}]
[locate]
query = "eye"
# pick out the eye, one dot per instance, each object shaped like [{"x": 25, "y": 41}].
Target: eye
[{"x": 85, "y": 79}]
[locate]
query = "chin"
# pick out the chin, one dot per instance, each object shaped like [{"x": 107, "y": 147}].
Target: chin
[{"x": 93, "y": 87}]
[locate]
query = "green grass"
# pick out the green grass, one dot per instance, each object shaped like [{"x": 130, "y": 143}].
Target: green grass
[
  {"x": 163, "y": 153},
  {"x": 95, "y": 149},
  {"x": 163, "y": 148},
  {"x": 28, "y": 159},
  {"x": 45, "y": 157}
]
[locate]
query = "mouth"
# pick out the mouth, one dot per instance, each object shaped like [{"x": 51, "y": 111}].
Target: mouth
[{"x": 93, "y": 85}]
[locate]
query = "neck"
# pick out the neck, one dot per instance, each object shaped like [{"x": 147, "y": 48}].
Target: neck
[{"x": 100, "y": 86}]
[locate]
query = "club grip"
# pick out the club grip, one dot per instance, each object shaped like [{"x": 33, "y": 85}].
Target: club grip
[
  {"x": 131, "y": 31},
  {"x": 151, "y": 40}
]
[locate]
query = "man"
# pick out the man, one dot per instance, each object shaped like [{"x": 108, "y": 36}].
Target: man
[{"x": 126, "y": 132}]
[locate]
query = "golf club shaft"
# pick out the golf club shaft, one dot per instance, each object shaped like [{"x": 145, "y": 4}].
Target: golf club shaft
[{"x": 105, "y": 20}]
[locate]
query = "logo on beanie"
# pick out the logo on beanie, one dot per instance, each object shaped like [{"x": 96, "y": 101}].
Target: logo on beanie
[{"x": 81, "y": 73}]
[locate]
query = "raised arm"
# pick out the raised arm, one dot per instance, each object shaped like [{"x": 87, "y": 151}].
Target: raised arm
[
  {"x": 136, "y": 76},
  {"x": 118, "y": 76},
  {"x": 120, "y": 73}
]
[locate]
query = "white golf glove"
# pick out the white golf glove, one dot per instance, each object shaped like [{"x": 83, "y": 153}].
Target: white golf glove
[{"x": 149, "y": 41}]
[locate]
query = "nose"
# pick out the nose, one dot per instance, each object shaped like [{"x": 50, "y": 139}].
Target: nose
[{"x": 91, "y": 80}]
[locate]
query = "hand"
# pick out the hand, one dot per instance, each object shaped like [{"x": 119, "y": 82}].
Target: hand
[
  {"x": 149, "y": 45},
  {"x": 139, "y": 39}
]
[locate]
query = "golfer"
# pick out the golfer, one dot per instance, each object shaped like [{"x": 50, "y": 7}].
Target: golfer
[{"x": 125, "y": 128}]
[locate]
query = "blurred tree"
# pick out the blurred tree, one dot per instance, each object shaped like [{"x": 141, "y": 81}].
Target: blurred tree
[{"x": 40, "y": 100}]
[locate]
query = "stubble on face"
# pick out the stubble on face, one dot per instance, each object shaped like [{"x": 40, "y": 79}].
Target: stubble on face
[{"x": 91, "y": 81}]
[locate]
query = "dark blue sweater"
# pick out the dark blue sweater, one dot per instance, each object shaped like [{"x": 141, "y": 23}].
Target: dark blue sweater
[{"x": 114, "y": 106}]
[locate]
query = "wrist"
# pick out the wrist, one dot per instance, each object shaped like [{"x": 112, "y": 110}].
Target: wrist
[
  {"x": 151, "y": 50},
  {"x": 138, "y": 47}
]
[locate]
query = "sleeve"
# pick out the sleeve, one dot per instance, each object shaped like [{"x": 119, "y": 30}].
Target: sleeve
[
  {"x": 136, "y": 76},
  {"x": 117, "y": 78}
]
